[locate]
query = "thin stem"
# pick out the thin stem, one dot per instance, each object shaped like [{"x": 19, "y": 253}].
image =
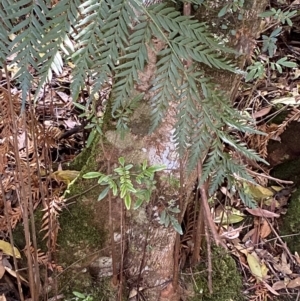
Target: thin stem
[{"x": 21, "y": 192}]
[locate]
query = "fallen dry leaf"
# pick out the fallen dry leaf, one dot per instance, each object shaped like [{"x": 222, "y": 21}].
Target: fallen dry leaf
[
  {"x": 248, "y": 235},
  {"x": 278, "y": 285},
  {"x": 270, "y": 289},
  {"x": 294, "y": 283},
  {"x": 283, "y": 266},
  {"x": 262, "y": 212},
  {"x": 262, "y": 112},
  {"x": 232, "y": 233},
  {"x": 254, "y": 266},
  {"x": 265, "y": 229}
]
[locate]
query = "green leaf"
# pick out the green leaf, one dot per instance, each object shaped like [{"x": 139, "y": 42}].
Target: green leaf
[
  {"x": 162, "y": 217},
  {"x": 122, "y": 161},
  {"x": 276, "y": 32},
  {"x": 104, "y": 179},
  {"x": 79, "y": 106},
  {"x": 129, "y": 166},
  {"x": 176, "y": 225},
  {"x": 114, "y": 187},
  {"x": 284, "y": 62},
  {"x": 119, "y": 170},
  {"x": 223, "y": 11},
  {"x": 144, "y": 166},
  {"x": 79, "y": 295},
  {"x": 127, "y": 201},
  {"x": 155, "y": 168},
  {"x": 174, "y": 210},
  {"x": 103, "y": 194},
  {"x": 167, "y": 221},
  {"x": 92, "y": 175},
  {"x": 266, "y": 14},
  {"x": 138, "y": 203}
]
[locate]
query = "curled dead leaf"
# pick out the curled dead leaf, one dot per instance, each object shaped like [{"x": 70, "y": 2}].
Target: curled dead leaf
[{"x": 14, "y": 274}]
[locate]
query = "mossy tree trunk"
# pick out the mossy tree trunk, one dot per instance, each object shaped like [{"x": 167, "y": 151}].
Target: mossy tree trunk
[{"x": 149, "y": 255}]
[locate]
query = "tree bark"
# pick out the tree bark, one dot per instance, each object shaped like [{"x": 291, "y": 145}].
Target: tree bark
[{"x": 149, "y": 258}]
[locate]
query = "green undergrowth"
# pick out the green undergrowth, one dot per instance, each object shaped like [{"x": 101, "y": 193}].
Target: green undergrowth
[
  {"x": 226, "y": 279},
  {"x": 82, "y": 234},
  {"x": 290, "y": 223}
]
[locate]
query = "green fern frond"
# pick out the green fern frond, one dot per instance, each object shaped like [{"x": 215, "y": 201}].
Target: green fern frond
[
  {"x": 103, "y": 37},
  {"x": 56, "y": 39},
  {"x": 5, "y": 28},
  {"x": 246, "y": 198},
  {"x": 240, "y": 147},
  {"x": 216, "y": 180},
  {"x": 189, "y": 115},
  {"x": 108, "y": 41},
  {"x": 26, "y": 45},
  {"x": 212, "y": 162},
  {"x": 166, "y": 85}
]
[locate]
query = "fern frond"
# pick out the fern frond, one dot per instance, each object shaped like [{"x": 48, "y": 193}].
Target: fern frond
[
  {"x": 212, "y": 162},
  {"x": 166, "y": 85},
  {"x": 189, "y": 114},
  {"x": 5, "y": 27},
  {"x": 56, "y": 39},
  {"x": 188, "y": 38},
  {"x": 103, "y": 35},
  {"x": 240, "y": 147},
  {"x": 29, "y": 34},
  {"x": 246, "y": 198},
  {"x": 216, "y": 180}
]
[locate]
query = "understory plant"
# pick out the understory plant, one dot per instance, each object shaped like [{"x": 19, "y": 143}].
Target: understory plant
[
  {"x": 108, "y": 42},
  {"x": 128, "y": 184}
]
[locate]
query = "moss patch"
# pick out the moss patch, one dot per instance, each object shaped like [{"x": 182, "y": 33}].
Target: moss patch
[
  {"x": 288, "y": 171},
  {"x": 227, "y": 282},
  {"x": 290, "y": 223}
]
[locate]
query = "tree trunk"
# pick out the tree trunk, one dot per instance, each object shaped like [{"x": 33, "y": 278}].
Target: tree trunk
[{"x": 149, "y": 256}]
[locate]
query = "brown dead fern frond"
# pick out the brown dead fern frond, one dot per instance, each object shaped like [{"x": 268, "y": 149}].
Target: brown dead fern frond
[
  {"x": 48, "y": 136},
  {"x": 259, "y": 142},
  {"x": 50, "y": 221},
  {"x": 43, "y": 259}
]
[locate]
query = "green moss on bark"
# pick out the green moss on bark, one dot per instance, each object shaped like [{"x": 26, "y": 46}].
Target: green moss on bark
[{"x": 226, "y": 279}]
